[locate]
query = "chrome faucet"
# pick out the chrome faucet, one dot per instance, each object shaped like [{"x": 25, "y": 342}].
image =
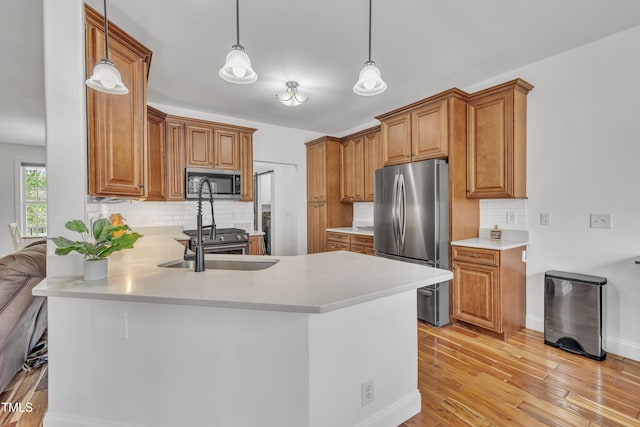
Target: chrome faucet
[{"x": 199, "y": 255}]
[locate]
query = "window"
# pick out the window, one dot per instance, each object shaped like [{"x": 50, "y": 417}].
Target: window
[{"x": 33, "y": 197}]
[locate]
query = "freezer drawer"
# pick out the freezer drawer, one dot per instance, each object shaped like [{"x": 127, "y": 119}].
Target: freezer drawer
[
  {"x": 433, "y": 304},
  {"x": 573, "y": 313}
]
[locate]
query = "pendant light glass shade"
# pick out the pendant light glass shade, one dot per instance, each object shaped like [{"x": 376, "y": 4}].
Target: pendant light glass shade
[
  {"x": 237, "y": 68},
  {"x": 106, "y": 77},
  {"x": 291, "y": 97},
  {"x": 369, "y": 81}
]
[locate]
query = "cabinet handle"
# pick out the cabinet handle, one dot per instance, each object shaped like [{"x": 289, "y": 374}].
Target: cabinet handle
[{"x": 141, "y": 185}]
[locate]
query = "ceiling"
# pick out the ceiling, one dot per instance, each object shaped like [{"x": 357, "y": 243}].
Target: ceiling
[{"x": 421, "y": 46}]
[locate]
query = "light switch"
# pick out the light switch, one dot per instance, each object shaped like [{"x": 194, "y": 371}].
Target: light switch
[
  {"x": 545, "y": 218},
  {"x": 600, "y": 220}
]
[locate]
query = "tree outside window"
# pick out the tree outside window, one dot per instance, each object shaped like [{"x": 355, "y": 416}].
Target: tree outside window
[{"x": 34, "y": 199}]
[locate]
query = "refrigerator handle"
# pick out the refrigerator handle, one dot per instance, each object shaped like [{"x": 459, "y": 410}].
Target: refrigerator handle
[
  {"x": 394, "y": 209},
  {"x": 403, "y": 210}
]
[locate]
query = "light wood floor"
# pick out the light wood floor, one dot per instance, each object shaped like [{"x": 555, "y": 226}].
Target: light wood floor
[{"x": 467, "y": 379}]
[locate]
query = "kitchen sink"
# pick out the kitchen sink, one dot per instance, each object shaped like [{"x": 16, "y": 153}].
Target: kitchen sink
[{"x": 221, "y": 264}]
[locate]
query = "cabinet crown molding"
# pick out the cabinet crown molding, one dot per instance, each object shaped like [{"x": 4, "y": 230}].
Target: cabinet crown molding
[
  {"x": 208, "y": 123},
  {"x": 451, "y": 93},
  {"x": 93, "y": 17},
  {"x": 361, "y": 133},
  {"x": 516, "y": 84}
]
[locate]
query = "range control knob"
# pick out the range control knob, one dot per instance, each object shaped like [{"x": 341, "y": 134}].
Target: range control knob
[
  {"x": 238, "y": 237},
  {"x": 222, "y": 238}
]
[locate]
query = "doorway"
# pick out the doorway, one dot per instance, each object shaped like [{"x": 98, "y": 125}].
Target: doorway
[{"x": 262, "y": 207}]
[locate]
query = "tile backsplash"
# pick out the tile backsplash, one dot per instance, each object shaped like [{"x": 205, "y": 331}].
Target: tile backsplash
[
  {"x": 144, "y": 214},
  {"x": 495, "y": 212}
]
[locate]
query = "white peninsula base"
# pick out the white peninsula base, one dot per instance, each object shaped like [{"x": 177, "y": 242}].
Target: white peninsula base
[{"x": 134, "y": 364}]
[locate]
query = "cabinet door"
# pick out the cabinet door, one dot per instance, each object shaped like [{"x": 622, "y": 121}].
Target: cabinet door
[
  {"x": 246, "y": 166},
  {"x": 490, "y": 146},
  {"x": 429, "y": 132},
  {"x": 347, "y": 163},
  {"x": 175, "y": 152},
  {"x": 396, "y": 140},
  {"x": 476, "y": 295},
  {"x": 226, "y": 143},
  {"x": 255, "y": 245},
  {"x": 157, "y": 184},
  {"x": 371, "y": 163},
  {"x": 316, "y": 172},
  {"x": 316, "y": 227},
  {"x": 199, "y": 146},
  {"x": 116, "y": 124}
]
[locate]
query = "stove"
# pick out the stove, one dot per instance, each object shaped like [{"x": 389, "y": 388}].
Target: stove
[{"x": 227, "y": 240}]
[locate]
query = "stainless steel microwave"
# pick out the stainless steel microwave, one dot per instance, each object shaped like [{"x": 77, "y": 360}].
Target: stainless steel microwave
[{"x": 225, "y": 184}]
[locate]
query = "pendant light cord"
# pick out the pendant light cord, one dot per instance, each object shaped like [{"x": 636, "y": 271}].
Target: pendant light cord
[
  {"x": 370, "y": 30},
  {"x": 238, "y": 22},
  {"x": 106, "y": 32}
]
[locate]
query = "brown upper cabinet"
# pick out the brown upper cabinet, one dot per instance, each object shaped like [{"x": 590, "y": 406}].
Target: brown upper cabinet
[
  {"x": 246, "y": 166},
  {"x": 199, "y": 141},
  {"x": 496, "y": 141},
  {"x": 226, "y": 149},
  {"x": 116, "y": 125},
  {"x": 175, "y": 158},
  {"x": 359, "y": 158},
  {"x": 157, "y": 164},
  {"x": 316, "y": 172},
  {"x": 419, "y": 131},
  {"x": 203, "y": 144}
]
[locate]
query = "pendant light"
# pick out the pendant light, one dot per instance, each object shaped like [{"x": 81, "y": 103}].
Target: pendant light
[
  {"x": 370, "y": 80},
  {"x": 106, "y": 77},
  {"x": 291, "y": 96},
  {"x": 237, "y": 68}
]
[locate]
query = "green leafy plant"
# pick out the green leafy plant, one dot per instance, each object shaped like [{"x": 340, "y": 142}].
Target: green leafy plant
[{"x": 103, "y": 243}]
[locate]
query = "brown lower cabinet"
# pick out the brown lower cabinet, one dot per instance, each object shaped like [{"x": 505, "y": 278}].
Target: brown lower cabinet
[
  {"x": 349, "y": 242},
  {"x": 489, "y": 290},
  {"x": 255, "y": 245}
]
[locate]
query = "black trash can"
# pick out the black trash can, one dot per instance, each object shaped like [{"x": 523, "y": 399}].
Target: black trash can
[{"x": 573, "y": 313}]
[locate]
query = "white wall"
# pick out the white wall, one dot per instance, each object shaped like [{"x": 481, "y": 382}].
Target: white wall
[
  {"x": 272, "y": 144},
  {"x": 583, "y": 154},
  {"x": 10, "y": 155}
]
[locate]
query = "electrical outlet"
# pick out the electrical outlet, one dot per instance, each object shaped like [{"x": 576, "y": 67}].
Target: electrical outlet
[
  {"x": 545, "y": 218},
  {"x": 511, "y": 217},
  {"x": 600, "y": 220},
  {"x": 367, "y": 392}
]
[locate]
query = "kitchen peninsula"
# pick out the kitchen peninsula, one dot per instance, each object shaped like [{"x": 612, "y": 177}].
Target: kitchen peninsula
[{"x": 327, "y": 339}]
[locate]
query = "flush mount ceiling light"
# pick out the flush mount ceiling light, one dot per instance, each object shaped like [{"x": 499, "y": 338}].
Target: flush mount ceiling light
[
  {"x": 290, "y": 96},
  {"x": 106, "y": 77},
  {"x": 370, "y": 80},
  {"x": 237, "y": 68}
]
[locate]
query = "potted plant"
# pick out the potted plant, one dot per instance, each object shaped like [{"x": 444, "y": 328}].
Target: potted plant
[{"x": 104, "y": 240}]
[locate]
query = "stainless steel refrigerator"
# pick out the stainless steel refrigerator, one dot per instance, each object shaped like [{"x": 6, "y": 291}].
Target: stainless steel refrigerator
[{"x": 411, "y": 223}]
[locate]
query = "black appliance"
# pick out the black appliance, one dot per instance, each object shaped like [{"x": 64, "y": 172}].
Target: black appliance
[
  {"x": 227, "y": 241},
  {"x": 226, "y": 184}
]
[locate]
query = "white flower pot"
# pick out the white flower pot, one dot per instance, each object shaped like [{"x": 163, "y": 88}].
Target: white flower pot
[{"x": 96, "y": 269}]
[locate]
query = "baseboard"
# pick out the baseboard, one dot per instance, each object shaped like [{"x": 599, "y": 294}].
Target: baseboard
[
  {"x": 535, "y": 323},
  {"x": 394, "y": 414},
  {"x": 54, "y": 420},
  {"x": 619, "y": 347}
]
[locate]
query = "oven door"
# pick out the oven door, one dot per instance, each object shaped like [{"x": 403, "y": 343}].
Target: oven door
[{"x": 232, "y": 249}]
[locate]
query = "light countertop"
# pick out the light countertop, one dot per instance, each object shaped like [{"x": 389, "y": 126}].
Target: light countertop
[
  {"x": 500, "y": 245},
  {"x": 307, "y": 283},
  {"x": 352, "y": 230}
]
